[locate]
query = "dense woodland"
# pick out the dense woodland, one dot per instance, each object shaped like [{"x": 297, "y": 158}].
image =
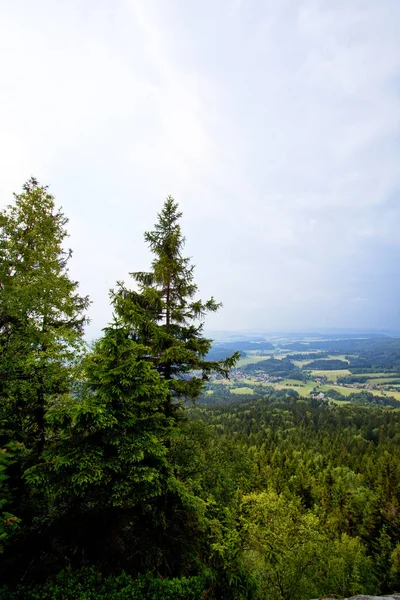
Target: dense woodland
[{"x": 114, "y": 483}]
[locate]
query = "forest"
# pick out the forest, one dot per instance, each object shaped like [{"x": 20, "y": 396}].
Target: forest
[{"x": 117, "y": 481}]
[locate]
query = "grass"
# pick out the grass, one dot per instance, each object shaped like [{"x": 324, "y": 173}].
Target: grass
[
  {"x": 378, "y": 374},
  {"x": 331, "y": 375},
  {"x": 380, "y": 380},
  {"x": 338, "y": 357},
  {"x": 300, "y": 363},
  {"x": 342, "y": 390},
  {"x": 242, "y": 390},
  {"x": 346, "y": 391},
  {"x": 388, "y": 394},
  {"x": 304, "y": 389},
  {"x": 248, "y": 381}
]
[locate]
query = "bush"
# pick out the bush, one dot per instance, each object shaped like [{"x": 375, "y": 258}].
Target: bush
[{"x": 88, "y": 584}]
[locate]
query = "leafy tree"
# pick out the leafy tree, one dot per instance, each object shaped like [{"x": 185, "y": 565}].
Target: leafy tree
[
  {"x": 284, "y": 545},
  {"x": 347, "y": 569},
  {"x": 163, "y": 314},
  {"x": 41, "y": 313}
]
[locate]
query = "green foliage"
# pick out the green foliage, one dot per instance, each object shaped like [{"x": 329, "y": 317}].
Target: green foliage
[
  {"x": 326, "y": 364},
  {"x": 112, "y": 487},
  {"x": 284, "y": 545},
  {"x": 335, "y": 394},
  {"x": 111, "y": 439},
  {"x": 339, "y": 465},
  {"x": 108, "y": 461},
  {"x": 394, "y": 573},
  {"x": 9, "y": 523},
  {"x": 41, "y": 314},
  {"x": 90, "y": 585},
  {"x": 42, "y": 317},
  {"x": 365, "y": 397},
  {"x": 347, "y": 569},
  {"x": 165, "y": 316},
  {"x": 277, "y": 367},
  {"x": 228, "y": 572}
]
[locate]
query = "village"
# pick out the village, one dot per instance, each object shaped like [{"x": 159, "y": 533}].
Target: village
[{"x": 260, "y": 377}]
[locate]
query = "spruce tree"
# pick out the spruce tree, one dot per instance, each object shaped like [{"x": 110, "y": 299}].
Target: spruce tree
[
  {"x": 107, "y": 464},
  {"x": 164, "y": 315},
  {"x": 41, "y": 314}
]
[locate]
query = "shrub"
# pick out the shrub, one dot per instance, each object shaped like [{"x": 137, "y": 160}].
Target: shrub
[{"x": 88, "y": 584}]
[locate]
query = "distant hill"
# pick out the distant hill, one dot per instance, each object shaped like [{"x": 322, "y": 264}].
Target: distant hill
[
  {"x": 248, "y": 345},
  {"x": 276, "y": 367},
  {"x": 222, "y": 350},
  {"x": 326, "y": 365},
  {"x": 221, "y": 353}
]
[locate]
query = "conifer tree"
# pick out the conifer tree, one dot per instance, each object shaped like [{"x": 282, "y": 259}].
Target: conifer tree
[
  {"x": 107, "y": 464},
  {"x": 164, "y": 314},
  {"x": 41, "y": 314}
]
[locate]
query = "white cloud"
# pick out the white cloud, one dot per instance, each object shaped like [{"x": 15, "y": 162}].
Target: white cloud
[{"x": 275, "y": 124}]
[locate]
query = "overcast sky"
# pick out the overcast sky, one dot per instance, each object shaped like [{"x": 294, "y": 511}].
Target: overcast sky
[{"x": 274, "y": 123}]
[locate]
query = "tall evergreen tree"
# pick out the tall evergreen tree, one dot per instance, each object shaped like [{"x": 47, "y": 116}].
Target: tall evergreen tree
[
  {"x": 42, "y": 314},
  {"x": 164, "y": 315}
]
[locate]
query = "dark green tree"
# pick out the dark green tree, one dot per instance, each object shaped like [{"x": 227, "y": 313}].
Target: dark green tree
[
  {"x": 108, "y": 462},
  {"x": 163, "y": 314}
]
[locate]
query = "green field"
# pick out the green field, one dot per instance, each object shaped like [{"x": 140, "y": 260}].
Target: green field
[
  {"x": 345, "y": 391},
  {"x": 331, "y": 375},
  {"x": 302, "y": 363},
  {"x": 388, "y": 394},
  {"x": 248, "y": 381},
  {"x": 293, "y": 383},
  {"x": 304, "y": 389},
  {"x": 385, "y": 380},
  {"x": 242, "y": 390},
  {"x": 342, "y": 390},
  {"x": 383, "y": 375},
  {"x": 249, "y": 385}
]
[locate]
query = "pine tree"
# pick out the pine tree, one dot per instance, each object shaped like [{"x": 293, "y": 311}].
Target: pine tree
[
  {"x": 41, "y": 314},
  {"x": 164, "y": 315}
]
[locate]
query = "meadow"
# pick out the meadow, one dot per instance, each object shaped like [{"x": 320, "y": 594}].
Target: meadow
[{"x": 247, "y": 383}]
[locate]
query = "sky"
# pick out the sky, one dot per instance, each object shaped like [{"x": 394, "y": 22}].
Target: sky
[{"x": 275, "y": 124}]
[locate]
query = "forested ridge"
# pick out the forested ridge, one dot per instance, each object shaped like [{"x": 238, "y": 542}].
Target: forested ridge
[{"x": 114, "y": 483}]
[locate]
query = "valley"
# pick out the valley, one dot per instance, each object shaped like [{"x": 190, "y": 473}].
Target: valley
[{"x": 361, "y": 370}]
